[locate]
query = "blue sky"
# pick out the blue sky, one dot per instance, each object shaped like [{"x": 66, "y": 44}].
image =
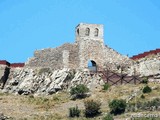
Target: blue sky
[{"x": 131, "y": 26}]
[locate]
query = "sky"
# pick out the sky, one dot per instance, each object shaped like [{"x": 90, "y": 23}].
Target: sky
[{"x": 130, "y": 26}]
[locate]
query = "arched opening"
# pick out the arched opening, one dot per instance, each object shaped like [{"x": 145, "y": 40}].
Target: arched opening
[
  {"x": 92, "y": 66},
  {"x": 78, "y": 31},
  {"x": 87, "y": 31},
  {"x": 96, "y": 32}
]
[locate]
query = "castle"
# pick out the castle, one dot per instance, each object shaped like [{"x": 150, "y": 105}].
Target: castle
[{"x": 89, "y": 46}]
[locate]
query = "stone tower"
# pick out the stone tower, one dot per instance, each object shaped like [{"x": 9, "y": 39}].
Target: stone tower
[
  {"x": 89, "y": 38},
  {"x": 89, "y": 32},
  {"x": 89, "y": 47}
]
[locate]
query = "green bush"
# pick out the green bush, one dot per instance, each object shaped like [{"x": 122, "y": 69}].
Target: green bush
[
  {"x": 117, "y": 106},
  {"x": 74, "y": 112},
  {"x": 148, "y": 105},
  {"x": 108, "y": 117},
  {"x": 106, "y": 86},
  {"x": 79, "y": 91},
  {"x": 92, "y": 108},
  {"x": 144, "y": 80},
  {"x": 142, "y": 96},
  {"x": 147, "y": 89},
  {"x": 155, "y": 102}
]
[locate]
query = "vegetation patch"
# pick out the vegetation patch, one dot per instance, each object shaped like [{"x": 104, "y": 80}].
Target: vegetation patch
[
  {"x": 144, "y": 80},
  {"x": 92, "y": 108},
  {"x": 152, "y": 105},
  {"x": 117, "y": 106},
  {"x": 106, "y": 86},
  {"x": 108, "y": 117},
  {"x": 74, "y": 112},
  {"x": 147, "y": 89},
  {"x": 79, "y": 91},
  {"x": 47, "y": 102}
]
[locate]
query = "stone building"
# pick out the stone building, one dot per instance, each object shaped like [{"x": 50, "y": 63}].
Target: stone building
[{"x": 89, "y": 46}]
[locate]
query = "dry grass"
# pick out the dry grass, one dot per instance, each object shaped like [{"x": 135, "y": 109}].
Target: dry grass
[
  {"x": 46, "y": 102},
  {"x": 56, "y": 107}
]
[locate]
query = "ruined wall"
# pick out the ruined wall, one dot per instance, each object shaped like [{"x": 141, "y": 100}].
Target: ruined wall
[
  {"x": 149, "y": 65},
  {"x": 4, "y": 73},
  {"x": 2, "y": 69},
  {"x": 56, "y": 58},
  {"x": 89, "y": 45},
  {"x": 115, "y": 58}
]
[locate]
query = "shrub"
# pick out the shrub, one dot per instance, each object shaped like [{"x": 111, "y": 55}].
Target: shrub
[
  {"x": 154, "y": 103},
  {"x": 147, "y": 89},
  {"x": 108, "y": 117},
  {"x": 74, "y": 112},
  {"x": 144, "y": 80},
  {"x": 92, "y": 108},
  {"x": 142, "y": 96},
  {"x": 79, "y": 91},
  {"x": 148, "y": 105},
  {"x": 117, "y": 106},
  {"x": 106, "y": 86}
]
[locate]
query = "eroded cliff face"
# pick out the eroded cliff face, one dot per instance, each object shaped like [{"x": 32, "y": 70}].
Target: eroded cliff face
[{"x": 45, "y": 81}]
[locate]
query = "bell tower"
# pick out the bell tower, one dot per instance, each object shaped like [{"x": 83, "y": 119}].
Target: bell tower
[
  {"x": 89, "y": 32},
  {"x": 89, "y": 38}
]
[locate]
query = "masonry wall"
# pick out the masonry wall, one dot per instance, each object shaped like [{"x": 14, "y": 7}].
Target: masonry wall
[
  {"x": 149, "y": 65},
  {"x": 76, "y": 56},
  {"x": 2, "y": 69},
  {"x": 115, "y": 58},
  {"x": 56, "y": 58},
  {"x": 91, "y": 50}
]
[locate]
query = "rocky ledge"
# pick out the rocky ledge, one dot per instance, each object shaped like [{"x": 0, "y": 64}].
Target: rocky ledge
[{"x": 45, "y": 81}]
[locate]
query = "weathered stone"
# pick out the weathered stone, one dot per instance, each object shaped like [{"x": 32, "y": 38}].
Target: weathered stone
[
  {"x": 51, "y": 91},
  {"x": 76, "y": 56},
  {"x": 147, "y": 66},
  {"x": 21, "y": 81},
  {"x": 3, "y": 117}
]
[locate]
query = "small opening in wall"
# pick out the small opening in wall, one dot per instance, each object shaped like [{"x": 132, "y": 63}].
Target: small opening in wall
[
  {"x": 96, "y": 32},
  {"x": 87, "y": 31},
  {"x": 92, "y": 66}
]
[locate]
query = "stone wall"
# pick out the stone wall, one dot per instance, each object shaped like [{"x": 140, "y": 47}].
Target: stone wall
[
  {"x": 4, "y": 73},
  {"x": 116, "y": 59},
  {"x": 149, "y": 65},
  {"x": 89, "y": 50},
  {"x": 56, "y": 58},
  {"x": 2, "y": 69},
  {"x": 89, "y": 45}
]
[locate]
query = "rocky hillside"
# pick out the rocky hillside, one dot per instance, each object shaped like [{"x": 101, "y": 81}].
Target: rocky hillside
[{"x": 45, "y": 81}]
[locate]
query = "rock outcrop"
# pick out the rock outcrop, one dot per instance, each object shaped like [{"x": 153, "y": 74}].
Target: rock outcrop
[
  {"x": 45, "y": 81},
  {"x": 147, "y": 66}
]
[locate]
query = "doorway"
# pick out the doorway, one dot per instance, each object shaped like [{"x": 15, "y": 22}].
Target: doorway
[{"x": 92, "y": 66}]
